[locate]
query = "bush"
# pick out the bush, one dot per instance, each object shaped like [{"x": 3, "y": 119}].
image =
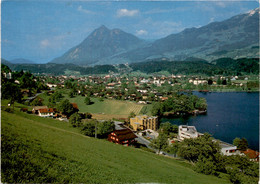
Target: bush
[
  {"x": 206, "y": 166},
  {"x": 75, "y": 120},
  {"x": 8, "y": 109},
  {"x": 88, "y": 128}
]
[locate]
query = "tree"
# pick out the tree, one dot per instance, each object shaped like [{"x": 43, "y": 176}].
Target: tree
[
  {"x": 206, "y": 166},
  {"x": 37, "y": 102},
  {"x": 191, "y": 149},
  {"x": 241, "y": 144},
  {"x": 65, "y": 107},
  {"x": 87, "y": 101},
  {"x": 157, "y": 109},
  {"x": 71, "y": 94},
  {"x": 173, "y": 148},
  {"x": 219, "y": 81},
  {"x": 57, "y": 96},
  {"x": 88, "y": 115},
  {"x": 12, "y": 92},
  {"x": 75, "y": 120},
  {"x": 160, "y": 143},
  {"x": 89, "y": 128},
  {"x": 210, "y": 82},
  {"x": 241, "y": 169},
  {"x": 166, "y": 128},
  {"x": 104, "y": 128},
  {"x": 236, "y": 142},
  {"x": 224, "y": 82},
  {"x": 201, "y": 104},
  {"x": 131, "y": 115}
]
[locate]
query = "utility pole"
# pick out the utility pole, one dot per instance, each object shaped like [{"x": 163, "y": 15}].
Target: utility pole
[{"x": 96, "y": 129}]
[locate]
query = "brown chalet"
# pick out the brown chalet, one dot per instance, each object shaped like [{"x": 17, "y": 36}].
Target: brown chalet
[{"x": 123, "y": 136}]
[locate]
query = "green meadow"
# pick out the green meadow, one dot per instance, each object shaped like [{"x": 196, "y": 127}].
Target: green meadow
[
  {"x": 42, "y": 150},
  {"x": 107, "y": 106}
]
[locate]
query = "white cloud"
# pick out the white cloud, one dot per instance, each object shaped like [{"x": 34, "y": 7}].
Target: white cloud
[
  {"x": 45, "y": 43},
  {"x": 141, "y": 32},
  {"x": 85, "y": 10},
  {"x": 127, "y": 13},
  {"x": 159, "y": 29}
]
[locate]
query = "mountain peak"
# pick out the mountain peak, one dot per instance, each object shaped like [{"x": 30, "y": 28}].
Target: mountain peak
[
  {"x": 103, "y": 27},
  {"x": 100, "y": 44},
  {"x": 254, "y": 11}
]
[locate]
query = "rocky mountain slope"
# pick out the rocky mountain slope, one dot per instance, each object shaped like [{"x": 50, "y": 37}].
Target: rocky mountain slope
[
  {"x": 101, "y": 43},
  {"x": 236, "y": 37}
]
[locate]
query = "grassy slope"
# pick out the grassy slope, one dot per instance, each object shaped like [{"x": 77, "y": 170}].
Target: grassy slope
[{"x": 67, "y": 156}]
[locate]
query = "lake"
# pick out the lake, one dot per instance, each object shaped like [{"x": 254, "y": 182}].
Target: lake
[{"x": 229, "y": 115}]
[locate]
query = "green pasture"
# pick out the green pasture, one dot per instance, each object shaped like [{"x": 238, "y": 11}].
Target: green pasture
[
  {"x": 101, "y": 107},
  {"x": 41, "y": 150}
]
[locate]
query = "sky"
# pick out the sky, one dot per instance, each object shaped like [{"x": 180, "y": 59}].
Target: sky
[{"x": 45, "y": 29}]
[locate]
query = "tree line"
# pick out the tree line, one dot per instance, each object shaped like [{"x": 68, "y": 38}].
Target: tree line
[
  {"x": 222, "y": 66},
  {"x": 179, "y": 104}
]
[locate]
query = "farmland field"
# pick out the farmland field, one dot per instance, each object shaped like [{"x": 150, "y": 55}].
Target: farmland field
[
  {"x": 108, "y": 107},
  {"x": 42, "y": 150}
]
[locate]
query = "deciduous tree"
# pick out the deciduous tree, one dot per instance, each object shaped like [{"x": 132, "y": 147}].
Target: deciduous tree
[
  {"x": 75, "y": 120},
  {"x": 160, "y": 143}
]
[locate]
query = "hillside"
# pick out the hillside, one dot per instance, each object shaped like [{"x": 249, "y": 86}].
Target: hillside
[
  {"x": 235, "y": 37},
  {"x": 36, "y": 150},
  {"x": 192, "y": 66}
]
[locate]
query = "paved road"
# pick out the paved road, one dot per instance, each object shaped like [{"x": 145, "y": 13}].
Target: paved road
[{"x": 32, "y": 97}]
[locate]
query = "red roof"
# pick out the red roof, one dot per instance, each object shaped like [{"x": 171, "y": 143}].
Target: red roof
[
  {"x": 46, "y": 110},
  {"x": 124, "y": 134},
  {"x": 251, "y": 154}
]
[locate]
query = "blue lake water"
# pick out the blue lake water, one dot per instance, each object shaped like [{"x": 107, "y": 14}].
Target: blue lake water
[{"x": 229, "y": 115}]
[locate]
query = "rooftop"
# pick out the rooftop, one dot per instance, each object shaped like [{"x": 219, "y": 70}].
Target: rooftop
[{"x": 190, "y": 129}]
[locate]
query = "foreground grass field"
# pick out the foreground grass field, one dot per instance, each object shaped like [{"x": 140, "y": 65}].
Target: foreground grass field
[{"x": 36, "y": 150}]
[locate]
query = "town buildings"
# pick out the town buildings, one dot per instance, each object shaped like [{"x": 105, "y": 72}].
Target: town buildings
[
  {"x": 144, "y": 122},
  {"x": 187, "y": 132}
]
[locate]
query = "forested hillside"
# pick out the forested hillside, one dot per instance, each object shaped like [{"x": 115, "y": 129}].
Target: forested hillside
[{"x": 223, "y": 66}]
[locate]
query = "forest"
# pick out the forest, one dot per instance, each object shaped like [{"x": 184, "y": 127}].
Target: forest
[{"x": 223, "y": 66}]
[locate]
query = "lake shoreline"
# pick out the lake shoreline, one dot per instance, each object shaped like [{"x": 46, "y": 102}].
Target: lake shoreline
[{"x": 229, "y": 115}]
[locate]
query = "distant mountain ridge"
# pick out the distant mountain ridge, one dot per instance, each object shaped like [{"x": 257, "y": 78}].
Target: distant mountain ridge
[
  {"x": 213, "y": 41},
  {"x": 236, "y": 37},
  {"x": 22, "y": 61}
]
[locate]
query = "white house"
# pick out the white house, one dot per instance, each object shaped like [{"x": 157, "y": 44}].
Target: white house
[
  {"x": 50, "y": 85},
  {"x": 227, "y": 149},
  {"x": 47, "y": 112},
  {"x": 187, "y": 132}
]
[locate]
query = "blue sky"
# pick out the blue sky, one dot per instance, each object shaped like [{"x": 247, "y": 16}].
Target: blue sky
[{"x": 43, "y": 30}]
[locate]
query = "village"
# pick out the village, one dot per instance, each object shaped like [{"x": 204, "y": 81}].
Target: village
[{"x": 144, "y": 90}]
